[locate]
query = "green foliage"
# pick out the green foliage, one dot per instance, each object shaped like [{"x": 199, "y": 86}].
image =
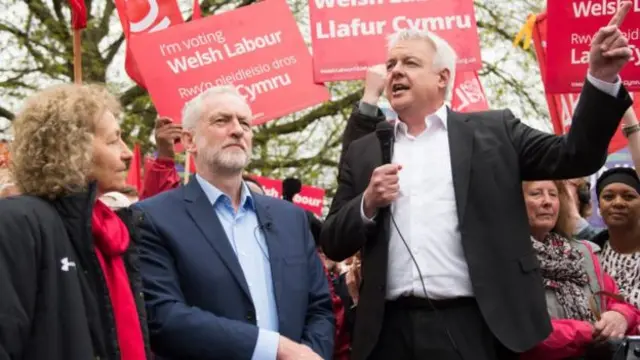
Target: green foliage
[{"x": 38, "y": 51}]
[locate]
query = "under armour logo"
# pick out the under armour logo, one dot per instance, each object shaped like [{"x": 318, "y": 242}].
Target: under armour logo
[{"x": 66, "y": 264}]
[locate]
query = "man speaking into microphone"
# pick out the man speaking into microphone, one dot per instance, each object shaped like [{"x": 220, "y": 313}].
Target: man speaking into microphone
[{"x": 448, "y": 268}]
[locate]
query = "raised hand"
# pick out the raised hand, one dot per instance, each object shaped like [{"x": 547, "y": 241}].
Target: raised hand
[
  {"x": 374, "y": 84},
  {"x": 166, "y": 134},
  {"x": 610, "y": 49}
]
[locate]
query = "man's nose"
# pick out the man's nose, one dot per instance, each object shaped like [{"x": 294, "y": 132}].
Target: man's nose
[{"x": 236, "y": 128}]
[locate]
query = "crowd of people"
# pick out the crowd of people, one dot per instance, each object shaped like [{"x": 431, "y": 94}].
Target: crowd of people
[{"x": 468, "y": 241}]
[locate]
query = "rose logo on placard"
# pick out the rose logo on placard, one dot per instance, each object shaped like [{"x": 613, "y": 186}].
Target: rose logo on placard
[{"x": 472, "y": 90}]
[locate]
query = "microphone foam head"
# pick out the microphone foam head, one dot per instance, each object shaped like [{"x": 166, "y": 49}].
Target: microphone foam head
[
  {"x": 384, "y": 130},
  {"x": 290, "y": 187},
  {"x": 384, "y": 126}
]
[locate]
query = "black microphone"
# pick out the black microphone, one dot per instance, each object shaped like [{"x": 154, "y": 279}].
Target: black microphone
[
  {"x": 290, "y": 187},
  {"x": 384, "y": 132}
]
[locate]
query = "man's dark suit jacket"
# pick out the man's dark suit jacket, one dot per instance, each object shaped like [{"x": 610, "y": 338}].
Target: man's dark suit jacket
[
  {"x": 491, "y": 154},
  {"x": 199, "y": 305}
]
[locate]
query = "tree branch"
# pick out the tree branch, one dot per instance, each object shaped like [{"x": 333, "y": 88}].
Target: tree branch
[
  {"x": 326, "y": 109},
  {"x": 57, "y": 9},
  {"x": 57, "y": 29},
  {"x": 103, "y": 27},
  {"x": 112, "y": 50},
  {"x": 263, "y": 164},
  {"x": 6, "y": 114},
  {"x": 490, "y": 68},
  {"x": 131, "y": 94}
]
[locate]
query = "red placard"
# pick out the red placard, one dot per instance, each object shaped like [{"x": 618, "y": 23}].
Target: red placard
[
  {"x": 348, "y": 36},
  {"x": 574, "y": 23},
  {"x": 561, "y": 106},
  {"x": 257, "y": 48},
  {"x": 310, "y": 198},
  {"x": 468, "y": 95}
]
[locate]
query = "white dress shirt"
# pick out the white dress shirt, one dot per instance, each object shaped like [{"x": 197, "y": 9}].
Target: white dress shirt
[{"x": 426, "y": 213}]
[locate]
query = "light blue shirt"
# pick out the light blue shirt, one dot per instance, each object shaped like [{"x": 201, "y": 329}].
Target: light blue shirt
[{"x": 248, "y": 242}]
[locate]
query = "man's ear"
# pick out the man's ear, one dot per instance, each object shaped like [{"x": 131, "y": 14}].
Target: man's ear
[
  {"x": 444, "y": 77},
  {"x": 188, "y": 141}
]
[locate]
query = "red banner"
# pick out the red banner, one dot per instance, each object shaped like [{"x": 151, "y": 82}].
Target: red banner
[
  {"x": 264, "y": 57},
  {"x": 348, "y": 36},
  {"x": 310, "y": 198},
  {"x": 561, "y": 106},
  {"x": 141, "y": 17},
  {"x": 468, "y": 95},
  {"x": 574, "y": 23}
]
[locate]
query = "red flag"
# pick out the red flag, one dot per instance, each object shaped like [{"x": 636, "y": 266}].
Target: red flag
[
  {"x": 134, "y": 176},
  {"x": 78, "y": 14},
  {"x": 197, "y": 12},
  {"x": 139, "y": 17}
]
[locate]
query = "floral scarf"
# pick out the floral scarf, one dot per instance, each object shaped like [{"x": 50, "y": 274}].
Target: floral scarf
[{"x": 563, "y": 272}]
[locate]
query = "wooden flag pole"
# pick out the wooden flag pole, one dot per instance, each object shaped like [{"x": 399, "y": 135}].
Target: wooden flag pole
[{"x": 77, "y": 56}]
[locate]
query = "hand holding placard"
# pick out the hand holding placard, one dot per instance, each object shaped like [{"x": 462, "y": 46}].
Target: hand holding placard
[{"x": 610, "y": 49}]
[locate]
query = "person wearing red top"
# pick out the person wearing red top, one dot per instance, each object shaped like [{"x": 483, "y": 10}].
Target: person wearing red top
[{"x": 69, "y": 280}]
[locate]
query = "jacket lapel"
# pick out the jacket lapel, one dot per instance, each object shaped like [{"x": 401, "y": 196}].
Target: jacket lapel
[
  {"x": 205, "y": 217},
  {"x": 461, "y": 138},
  {"x": 275, "y": 247}
]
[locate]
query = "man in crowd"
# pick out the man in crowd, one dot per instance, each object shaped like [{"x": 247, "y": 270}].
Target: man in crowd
[
  {"x": 448, "y": 267},
  {"x": 230, "y": 274}
]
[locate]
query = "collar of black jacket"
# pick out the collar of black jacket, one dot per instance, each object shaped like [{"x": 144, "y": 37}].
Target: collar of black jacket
[{"x": 75, "y": 209}]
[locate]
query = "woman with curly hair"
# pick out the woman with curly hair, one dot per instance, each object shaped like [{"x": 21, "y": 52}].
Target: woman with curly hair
[{"x": 69, "y": 282}]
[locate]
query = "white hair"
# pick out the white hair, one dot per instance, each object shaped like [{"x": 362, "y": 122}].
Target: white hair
[
  {"x": 192, "y": 110},
  {"x": 444, "y": 57}
]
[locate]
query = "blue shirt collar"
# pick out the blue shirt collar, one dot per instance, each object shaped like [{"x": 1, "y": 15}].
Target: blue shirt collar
[{"x": 215, "y": 195}]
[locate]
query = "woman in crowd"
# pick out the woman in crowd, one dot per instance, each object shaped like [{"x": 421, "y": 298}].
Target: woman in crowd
[
  {"x": 618, "y": 191},
  {"x": 571, "y": 275},
  {"x": 69, "y": 282}
]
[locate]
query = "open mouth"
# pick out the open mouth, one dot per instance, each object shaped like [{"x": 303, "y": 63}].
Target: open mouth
[{"x": 398, "y": 89}]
